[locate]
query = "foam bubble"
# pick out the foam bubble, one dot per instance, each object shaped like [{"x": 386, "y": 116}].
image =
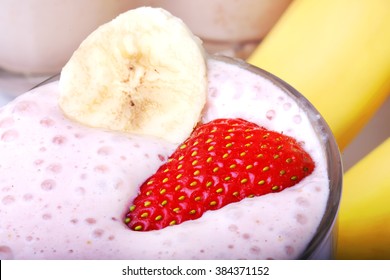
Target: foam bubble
[
  {"x": 101, "y": 168},
  {"x": 111, "y": 237},
  {"x": 46, "y": 216},
  {"x": 98, "y": 233},
  {"x": 55, "y": 167},
  {"x": 59, "y": 140},
  {"x": 301, "y": 219},
  {"x": 6, "y": 253},
  {"x": 38, "y": 162},
  {"x": 255, "y": 250},
  {"x": 47, "y": 122},
  {"x": 104, "y": 151},
  {"x": 78, "y": 135},
  {"x": 270, "y": 114},
  {"x": 48, "y": 184},
  {"x": 8, "y": 199},
  {"x": 27, "y": 197},
  {"x": 90, "y": 221},
  {"x": 290, "y": 251},
  {"x": 297, "y": 119},
  {"x": 26, "y": 107},
  {"x": 9, "y": 135},
  {"x": 246, "y": 236},
  {"x": 302, "y": 201},
  {"x": 233, "y": 228}
]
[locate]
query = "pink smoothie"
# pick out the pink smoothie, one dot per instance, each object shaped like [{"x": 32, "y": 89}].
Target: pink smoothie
[{"x": 64, "y": 187}]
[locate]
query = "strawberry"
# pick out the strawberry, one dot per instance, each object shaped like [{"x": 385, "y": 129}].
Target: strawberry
[{"x": 222, "y": 162}]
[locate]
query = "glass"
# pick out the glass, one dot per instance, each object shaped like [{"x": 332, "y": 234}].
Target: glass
[{"x": 322, "y": 245}]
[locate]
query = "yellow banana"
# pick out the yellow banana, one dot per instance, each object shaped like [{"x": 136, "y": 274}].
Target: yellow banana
[
  {"x": 337, "y": 54},
  {"x": 364, "y": 215}
]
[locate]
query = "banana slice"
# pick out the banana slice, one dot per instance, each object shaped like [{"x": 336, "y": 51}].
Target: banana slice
[{"x": 143, "y": 72}]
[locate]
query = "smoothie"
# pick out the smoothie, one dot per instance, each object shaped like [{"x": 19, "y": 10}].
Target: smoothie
[{"x": 65, "y": 187}]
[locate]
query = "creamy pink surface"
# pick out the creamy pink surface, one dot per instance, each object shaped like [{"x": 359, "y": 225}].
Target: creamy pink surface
[{"x": 64, "y": 188}]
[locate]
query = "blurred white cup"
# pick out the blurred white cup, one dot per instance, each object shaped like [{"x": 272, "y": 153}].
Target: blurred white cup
[
  {"x": 39, "y": 36},
  {"x": 232, "y": 27}
]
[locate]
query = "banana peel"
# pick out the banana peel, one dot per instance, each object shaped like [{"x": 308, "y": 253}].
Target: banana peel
[
  {"x": 364, "y": 214},
  {"x": 337, "y": 54}
]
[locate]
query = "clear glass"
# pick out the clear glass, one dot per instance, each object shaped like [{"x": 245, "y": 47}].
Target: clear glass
[{"x": 322, "y": 245}]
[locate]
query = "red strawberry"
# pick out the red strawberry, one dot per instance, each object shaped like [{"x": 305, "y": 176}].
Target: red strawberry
[{"x": 222, "y": 162}]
